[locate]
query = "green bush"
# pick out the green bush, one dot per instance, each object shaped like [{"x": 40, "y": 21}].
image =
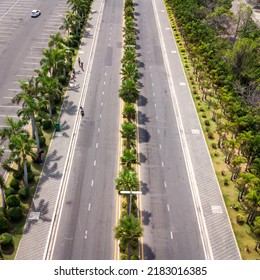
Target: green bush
[
  {"x": 124, "y": 205},
  {"x": 15, "y": 213},
  {"x": 47, "y": 124},
  {"x": 9, "y": 191},
  {"x": 226, "y": 181},
  {"x": 30, "y": 177},
  {"x": 211, "y": 135},
  {"x": 54, "y": 110},
  {"x": 123, "y": 257},
  {"x": 201, "y": 109},
  {"x": 204, "y": 115},
  {"x": 12, "y": 201},
  {"x": 134, "y": 257},
  {"x": 214, "y": 145},
  {"x": 6, "y": 239},
  {"x": 236, "y": 206},
  {"x": 3, "y": 224},
  {"x": 15, "y": 184},
  {"x": 240, "y": 219},
  {"x": 38, "y": 119},
  {"x": 18, "y": 175},
  {"x": 23, "y": 193},
  {"x": 124, "y": 213},
  {"x": 207, "y": 122},
  {"x": 42, "y": 141}
]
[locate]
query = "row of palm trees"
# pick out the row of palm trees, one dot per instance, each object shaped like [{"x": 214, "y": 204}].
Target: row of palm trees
[
  {"x": 40, "y": 94},
  {"x": 129, "y": 229},
  {"x": 228, "y": 75}
]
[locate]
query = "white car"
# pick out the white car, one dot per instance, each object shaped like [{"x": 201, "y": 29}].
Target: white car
[{"x": 35, "y": 13}]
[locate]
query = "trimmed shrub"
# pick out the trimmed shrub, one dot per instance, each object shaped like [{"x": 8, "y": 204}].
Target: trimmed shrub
[
  {"x": 15, "y": 213},
  {"x": 235, "y": 206},
  {"x": 3, "y": 224},
  {"x": 12, "y": 201},
  {"x": 124, "y": 205},
  {"x": 38, "y": 120},
  {"x": 204, "y": 115},
  {"x": 134, "y": 257},
  {"x": 201, "y": 109},
  {"x": 47, "y": 124},
  {"x": 123, "y": 257},
  {"x": 240, "y": 219},
  {"x": 214, "y": 145},
  {"x": 226, "y": 181},
  {"x": 18, "y": 175},
  {"x": 23, "y": 193},
  {"x": 6, "y": 239},
  {"x": 30, "y": 177},
  {"x": 42, "y": 141},
  {"x": 207, "y": 122},
  {"x": 15, "y": 184},
  {"x": 9, "y": 191},
  {"x": 211, "y": 135}
]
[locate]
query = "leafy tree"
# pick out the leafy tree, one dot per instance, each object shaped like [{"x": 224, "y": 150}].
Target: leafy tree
[{"x": 129, "y": 91}]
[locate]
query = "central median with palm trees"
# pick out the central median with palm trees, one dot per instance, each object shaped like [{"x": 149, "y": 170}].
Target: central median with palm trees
[{"x": 129, "y": 229}]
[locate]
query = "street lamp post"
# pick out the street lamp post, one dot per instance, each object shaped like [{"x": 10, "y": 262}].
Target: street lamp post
[{"x": 131, "y": 193}]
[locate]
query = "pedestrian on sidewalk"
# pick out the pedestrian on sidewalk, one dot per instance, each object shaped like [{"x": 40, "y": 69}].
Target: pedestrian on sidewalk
[
  {"x": 79, "y": 61},
  {"x": 81, "y": 111}
]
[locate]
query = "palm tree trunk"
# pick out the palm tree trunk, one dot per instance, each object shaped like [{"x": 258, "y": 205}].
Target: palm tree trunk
[
  {"x": 25, "y": 174},
  {"x": 37, "y": 138}
]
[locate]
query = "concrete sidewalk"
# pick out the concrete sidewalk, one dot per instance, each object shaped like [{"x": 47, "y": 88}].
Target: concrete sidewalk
[{"x": 43, "y": 213}]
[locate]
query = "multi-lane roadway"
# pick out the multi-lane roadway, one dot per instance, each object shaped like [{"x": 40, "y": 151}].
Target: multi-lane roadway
[{"x": 172, "y": 214}]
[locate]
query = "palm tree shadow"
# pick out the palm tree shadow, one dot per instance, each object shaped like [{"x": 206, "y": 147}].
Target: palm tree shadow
[
  {"x": 144, "y": 188},
  {"x": 69, "y": 107},
  {"x": 144, "y": 135},
  {"x": 142, "y": 118},
  {"x": 148, "y": 253},
  {"x": 142, "y": 101},
  {"x": 146, "y": 217},
  {"x": 41, "y": 208}
]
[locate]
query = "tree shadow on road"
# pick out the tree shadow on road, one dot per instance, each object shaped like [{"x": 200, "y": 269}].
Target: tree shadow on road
[
  {"x": 142, "y": 118},
  {"x": 142, "y": 100},
  {"x": 148, "y": 253},
  {"x": 146, "y": 217},
  {"x": 144, "y": 135}
]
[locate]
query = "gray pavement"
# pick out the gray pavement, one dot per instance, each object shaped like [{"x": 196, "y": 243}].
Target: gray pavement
[{"x": 38, "y": 229}]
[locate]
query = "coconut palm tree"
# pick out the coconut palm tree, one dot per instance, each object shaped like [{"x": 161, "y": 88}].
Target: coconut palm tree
[
  {"x": 129, "y": 91},
  {"x": 21, "y": 146},
  {"x": 130, "y": 71},
  {"x": 129, "y": 112},
  {"x": 2, "y": 182},
  {"x": 128, "y": 132},
  {"x": 50, "y": 90},
  {"x": 13, "y": 127},
  {"x": 32, "y": 107},
  {"x": 128, "y": 230},
  {"x": 127, "y": 180},
  {"x": 128, "y": 158}
]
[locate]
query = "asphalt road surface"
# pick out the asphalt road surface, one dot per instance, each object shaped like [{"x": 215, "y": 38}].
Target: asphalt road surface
[
  {"x": 170, "y": 225},
  {"x": 88, "y": 215}
]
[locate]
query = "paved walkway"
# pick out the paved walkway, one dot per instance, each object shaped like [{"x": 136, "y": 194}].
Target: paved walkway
[{"x": 40, "y": 220}]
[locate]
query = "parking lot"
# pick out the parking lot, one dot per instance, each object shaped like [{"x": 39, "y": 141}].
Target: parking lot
[{"x": 22, "y": 39}]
